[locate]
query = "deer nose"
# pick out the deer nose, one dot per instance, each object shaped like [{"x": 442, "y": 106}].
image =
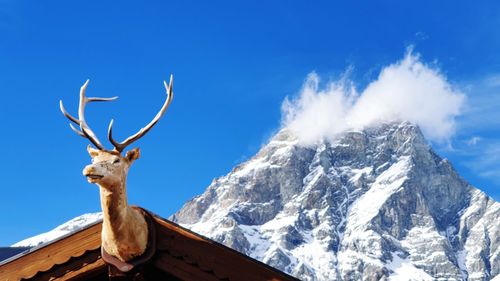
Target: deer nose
[{"x": 88, "y": 170}]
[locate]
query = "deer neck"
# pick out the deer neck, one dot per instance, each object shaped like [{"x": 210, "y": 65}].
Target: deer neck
[
  {"x": 124, "y": 230},
  {"x": 114, "y": 206}
]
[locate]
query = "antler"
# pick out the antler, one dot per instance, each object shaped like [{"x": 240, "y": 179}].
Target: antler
[
  {"x": 85, "y": 130},
  {"x": 120, "y": 146}
]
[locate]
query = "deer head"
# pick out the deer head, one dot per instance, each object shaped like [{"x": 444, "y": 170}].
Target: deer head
[
  {"x": 109, "y": 168},
  {"x": 124, "y": 233}
]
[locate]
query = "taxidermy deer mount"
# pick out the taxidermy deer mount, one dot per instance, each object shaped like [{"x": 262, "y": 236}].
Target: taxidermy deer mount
[{"x": 124, "y": 229}]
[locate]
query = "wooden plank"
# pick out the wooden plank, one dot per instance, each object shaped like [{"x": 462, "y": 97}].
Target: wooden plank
[
  {"x": 88, "y": 265},
  {"x": 182, "y": 270}
]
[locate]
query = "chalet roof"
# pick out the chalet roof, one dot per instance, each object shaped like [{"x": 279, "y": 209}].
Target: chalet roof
[{"x": 180, "y": 255}]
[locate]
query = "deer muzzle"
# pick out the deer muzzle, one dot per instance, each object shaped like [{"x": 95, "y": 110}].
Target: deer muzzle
[{"x": 92, "y": 173}]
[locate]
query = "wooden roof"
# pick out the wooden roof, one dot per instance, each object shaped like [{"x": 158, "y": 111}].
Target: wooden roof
[{"x": 180, "y": 255}]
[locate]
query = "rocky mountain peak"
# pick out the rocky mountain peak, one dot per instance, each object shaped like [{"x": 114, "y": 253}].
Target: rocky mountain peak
[{"x": 370, "y": 204}]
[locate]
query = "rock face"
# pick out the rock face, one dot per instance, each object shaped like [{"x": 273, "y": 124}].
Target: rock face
[{"x": 376, "y": 204}]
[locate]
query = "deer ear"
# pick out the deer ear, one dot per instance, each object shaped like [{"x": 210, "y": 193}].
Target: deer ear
[
  {"x": 92, "y": 151},
  {"x": 133, "y": 154}
]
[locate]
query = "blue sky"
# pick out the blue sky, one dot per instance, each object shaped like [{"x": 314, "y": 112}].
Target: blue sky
[{"x": 234, "y": 63}]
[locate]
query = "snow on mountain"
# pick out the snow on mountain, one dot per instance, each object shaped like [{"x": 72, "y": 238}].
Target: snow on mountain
[
  {"x": 371, "y": 205},
  {"x": 64, "y": 229}
]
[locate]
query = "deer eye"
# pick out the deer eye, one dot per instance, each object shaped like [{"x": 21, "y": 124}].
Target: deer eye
[{"x": 117, "y": 160}]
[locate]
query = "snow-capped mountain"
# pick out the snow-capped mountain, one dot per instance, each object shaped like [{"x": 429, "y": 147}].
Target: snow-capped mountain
[
  {"x": 376, "y": 204},
  {"x": 64, "y": 229}
]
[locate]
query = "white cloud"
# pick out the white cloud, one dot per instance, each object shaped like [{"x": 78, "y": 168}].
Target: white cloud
[
  {"x": 406, "y": 90},
  {"x": 319, "y": 113},
  {"x": 473, "y": 140}
]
